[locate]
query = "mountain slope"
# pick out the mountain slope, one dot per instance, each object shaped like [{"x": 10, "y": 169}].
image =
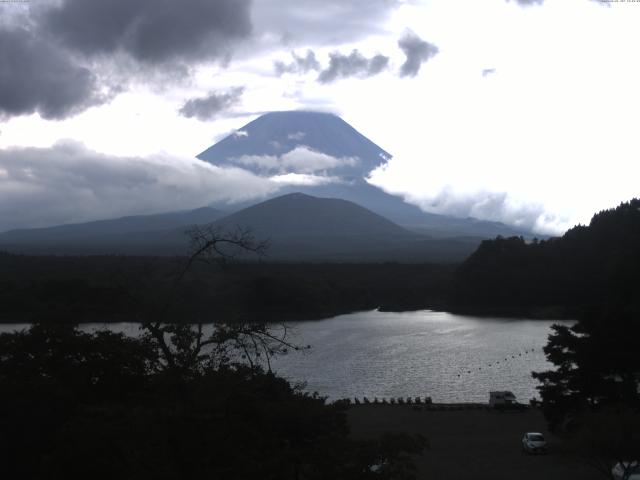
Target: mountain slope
[
  {"x": 298, "y": 215},
  {"x": 324, "y": 145},
  {"x": 105, "y": 236},
  {"x": 277, "y": 133},
  {"x": 304, "y": 228},
  {"x": 298, "y": 227},
  {"x": 407, "y": 215}
]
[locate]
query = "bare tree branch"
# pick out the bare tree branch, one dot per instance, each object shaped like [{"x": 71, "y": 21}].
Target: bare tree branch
[{"x": 185, "y": 347}]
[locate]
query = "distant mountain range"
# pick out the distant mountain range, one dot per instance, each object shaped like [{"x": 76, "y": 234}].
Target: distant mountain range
[
  {"x": 132, "y": 234},
  {"x": 338, "y": 217},
  {"x": 297, "y": 226}
]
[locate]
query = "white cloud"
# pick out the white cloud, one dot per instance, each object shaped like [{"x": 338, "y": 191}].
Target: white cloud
[
  {"x": 263, "y": 162},
  {"x": 304, "y": 179},
  {"x": 485, "y": 204},
  {"x": 301, "y": 159},
  {"x": 305, "y": 160},
  {"x": 546, "y": 140},
  {"x": 296, "y": 136},
  {"x": 70, "y": 183}
]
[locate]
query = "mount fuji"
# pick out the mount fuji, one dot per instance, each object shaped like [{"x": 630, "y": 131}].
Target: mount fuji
[
  {"x": 322, "y": 155},
  {"x": 324, "y": 211}
]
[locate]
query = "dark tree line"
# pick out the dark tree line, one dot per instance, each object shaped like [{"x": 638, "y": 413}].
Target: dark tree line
[
  {"x": 104, "y": 406},
  {"x": 179, "y": 401},
  {"x": 588, "y": 267},
  {"x": 597, "y": 366},
  {"x": 118, "y": 288}
]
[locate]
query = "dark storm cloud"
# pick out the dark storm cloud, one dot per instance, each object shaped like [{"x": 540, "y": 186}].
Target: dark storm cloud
[
  {"x": 150, "y": 31},
  {"x": 299, "y": 64},
  {"x": 58, "y": 58},
  {"x": 417, "y": 52},
  {"x": 36, "y": 77},
  {"x": 353, "y": 65},
  {"x": 70, "y": 183},
  {"x": 205, "y": 108}
]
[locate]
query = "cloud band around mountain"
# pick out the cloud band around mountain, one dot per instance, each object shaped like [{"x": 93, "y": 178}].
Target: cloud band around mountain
[
  {"x": 70, "y": 183},
  {"x": 301, "y": 160}
]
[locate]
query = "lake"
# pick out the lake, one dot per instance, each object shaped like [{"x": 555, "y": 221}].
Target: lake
[{"x": 452, "y": 358}]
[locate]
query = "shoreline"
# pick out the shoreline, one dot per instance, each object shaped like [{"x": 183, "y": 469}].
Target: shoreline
[{"x": 533, "y": 313}]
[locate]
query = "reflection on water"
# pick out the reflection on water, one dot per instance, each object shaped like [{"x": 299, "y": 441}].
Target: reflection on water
[{"x": 451, "y": 358}]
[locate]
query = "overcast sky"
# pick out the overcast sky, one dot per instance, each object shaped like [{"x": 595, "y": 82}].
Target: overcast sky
[{"x": 523, "y": 111}]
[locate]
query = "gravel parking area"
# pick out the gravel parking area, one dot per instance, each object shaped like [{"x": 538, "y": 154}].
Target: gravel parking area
[{"x": 473, "y": 443}]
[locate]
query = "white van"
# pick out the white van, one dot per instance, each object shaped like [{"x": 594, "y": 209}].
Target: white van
[{"x": 501, "y": 398}]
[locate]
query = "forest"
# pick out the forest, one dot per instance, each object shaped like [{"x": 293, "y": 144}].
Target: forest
[
  {"x": 123, "y": 288},
  {"x": 589, "y": 267}
]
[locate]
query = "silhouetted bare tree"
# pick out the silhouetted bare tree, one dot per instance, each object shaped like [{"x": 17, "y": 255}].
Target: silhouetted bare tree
[{"x": 188, "y": 348}]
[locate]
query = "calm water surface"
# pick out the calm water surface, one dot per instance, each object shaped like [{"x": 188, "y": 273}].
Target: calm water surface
[{"x": 452, "y": 358}]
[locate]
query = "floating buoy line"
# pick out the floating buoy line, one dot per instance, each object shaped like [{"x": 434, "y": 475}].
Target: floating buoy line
[{"x": 496, "y": 363}]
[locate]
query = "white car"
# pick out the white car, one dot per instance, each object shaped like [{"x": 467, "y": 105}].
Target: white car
[
  {"x": 534, "y": 442},
  {"x": 632, "y": 469}
]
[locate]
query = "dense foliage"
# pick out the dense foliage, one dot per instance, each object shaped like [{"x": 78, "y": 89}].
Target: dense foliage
[
  {"x": 597, "y": 366},
  {"x": 588, "y": 267},
  {"x": 592, "y": 394},
  {"x": 103, "y": 406}
]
